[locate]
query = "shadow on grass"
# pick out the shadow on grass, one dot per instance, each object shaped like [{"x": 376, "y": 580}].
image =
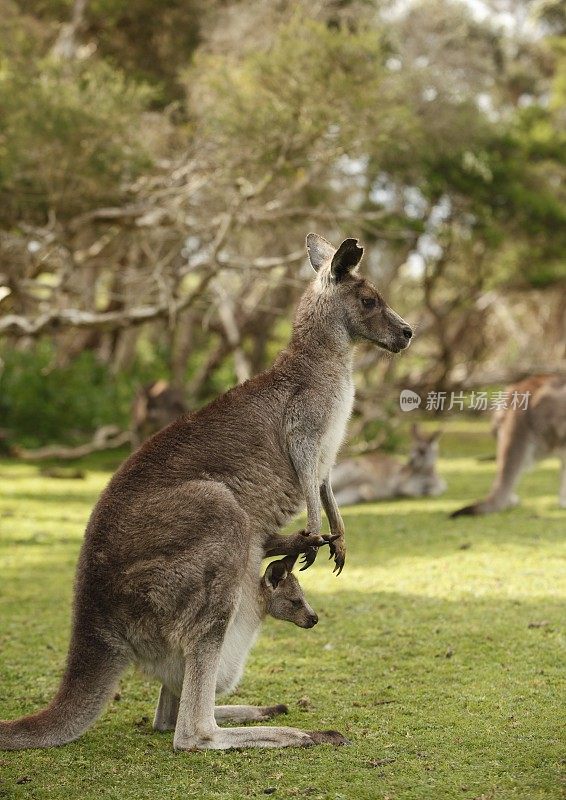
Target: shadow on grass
[
  {"x": 376, "y": 535},
  {"x": 464, "y": 689}
]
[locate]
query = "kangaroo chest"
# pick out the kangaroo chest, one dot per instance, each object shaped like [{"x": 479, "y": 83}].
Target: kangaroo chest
[{"x": 340, "y": 408}]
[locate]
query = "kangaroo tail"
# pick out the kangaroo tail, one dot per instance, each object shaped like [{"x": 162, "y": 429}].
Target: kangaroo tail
[{"x": 93, "y": 667}]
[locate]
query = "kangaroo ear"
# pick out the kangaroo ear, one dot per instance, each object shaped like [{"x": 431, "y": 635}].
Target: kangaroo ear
[
  {"x": 320, "y": 251},
  {"x": 274, "y": 574},
  {"x": 415, "y": 431},
  {"x": 436, "y": 435},
  {"x": 346, "y": 258}
]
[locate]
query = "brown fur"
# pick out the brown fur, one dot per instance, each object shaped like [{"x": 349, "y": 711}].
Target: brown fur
[
  {"x": 525, "y": 435},
  {"x": 168, "y": 570}
]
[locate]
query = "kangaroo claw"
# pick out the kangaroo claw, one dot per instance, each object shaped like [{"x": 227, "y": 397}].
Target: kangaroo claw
[
  {"x": 308, "y": 558},
  {"x": 338, "y": 552},
  {"x": 310, "y": 546}
]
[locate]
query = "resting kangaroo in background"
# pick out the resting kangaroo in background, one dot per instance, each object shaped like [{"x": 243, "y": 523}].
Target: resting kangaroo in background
[
  {"x": 279, "y": 595},
  {"x": 173, "y": 548},
  {"x": 523, "y": 436},
  {"x": 379, "y": 476}
]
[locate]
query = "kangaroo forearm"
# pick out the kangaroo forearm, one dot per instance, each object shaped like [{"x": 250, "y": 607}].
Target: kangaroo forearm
[
  {"x": 314, "y": 517},
  {"x": 309, "y": 484},
  {"x": 278, "y": 545},
  {"x": 305, "y": 462},
  {"x": 331, "y": 509},
  {"x": 337, "y": 547}
]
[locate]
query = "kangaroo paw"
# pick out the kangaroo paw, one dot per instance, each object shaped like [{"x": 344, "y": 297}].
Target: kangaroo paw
[{"x": 338, "y": 552}]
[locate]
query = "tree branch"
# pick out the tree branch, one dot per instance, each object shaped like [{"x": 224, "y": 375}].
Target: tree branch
[{"x": 109, "y": 437}]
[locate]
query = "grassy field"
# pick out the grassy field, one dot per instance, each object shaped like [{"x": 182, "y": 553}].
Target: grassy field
[{"x": 439, "y": 653}]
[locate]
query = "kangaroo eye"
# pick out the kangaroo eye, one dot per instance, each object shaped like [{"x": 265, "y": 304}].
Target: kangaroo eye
[
  {"x": 296, "y": 603},
  {"x": 369, "y": 302}
]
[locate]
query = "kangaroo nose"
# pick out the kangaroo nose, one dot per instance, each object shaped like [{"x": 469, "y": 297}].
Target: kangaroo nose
[
  {"x": 313, "y": 619},
  {"x": 407, "y": 332}
]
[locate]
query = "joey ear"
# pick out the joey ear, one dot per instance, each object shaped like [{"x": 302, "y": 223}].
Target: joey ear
[
  {"x": 275, "y": 573},
  {"x": 320, "y": 251},
  {"x": 346, "y": 258}
]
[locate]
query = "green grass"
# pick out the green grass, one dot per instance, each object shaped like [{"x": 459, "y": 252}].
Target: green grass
[{"x": 439, "y": 653}]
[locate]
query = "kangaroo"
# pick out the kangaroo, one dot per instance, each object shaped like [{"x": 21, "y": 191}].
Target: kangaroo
[
  {"x": 173, "y": 548},
  {"x": 155, "y": 406},
  {"x": 525, "y": 434},
  {"x": 279, "y": 595},
  {"x": 379, "y": 476}
]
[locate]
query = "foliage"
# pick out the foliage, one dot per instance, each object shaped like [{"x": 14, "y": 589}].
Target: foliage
[
  {"x": 124, "y": 35},
  {"x": 438, "y": 653},
  {"x": 41, "y": 402},
  {"x": 167, "y": 158},
  {"x": 69, "y": 137},
  {"x": 314, "y": 88}
]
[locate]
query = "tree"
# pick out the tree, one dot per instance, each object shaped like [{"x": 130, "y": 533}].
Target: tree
[{"x": 169, "y": 236}]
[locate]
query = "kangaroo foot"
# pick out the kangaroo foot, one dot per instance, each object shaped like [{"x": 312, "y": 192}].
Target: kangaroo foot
[{"x": 231, "y": 738}]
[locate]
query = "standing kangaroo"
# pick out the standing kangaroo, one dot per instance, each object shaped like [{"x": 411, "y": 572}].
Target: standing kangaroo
[
  {"x": 173, "y": 548},
  {"x": 524, "y": 435},
  {"x": 378, "y": 476}
]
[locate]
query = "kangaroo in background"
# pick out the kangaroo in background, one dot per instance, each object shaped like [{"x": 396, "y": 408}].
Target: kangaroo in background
[
  {"x": 379, "y": 476},
  {"x": 279, "y": 595},
  {"x": 171, "y": 557},
  {"x": 155, "y": 406},
  {"x": 523, "y": 436}
]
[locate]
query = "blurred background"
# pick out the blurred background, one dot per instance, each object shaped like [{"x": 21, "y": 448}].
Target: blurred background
[{"x": 161, "y": 162}]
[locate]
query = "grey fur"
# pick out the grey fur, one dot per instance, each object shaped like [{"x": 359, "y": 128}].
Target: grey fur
[
  {"x": 378, "y": 476},
  {"x": 278, "y": 595},
  {"x": 170, "y": 562}
]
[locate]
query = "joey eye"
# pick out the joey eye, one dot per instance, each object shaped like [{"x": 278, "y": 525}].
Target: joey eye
[{"x": 369, "y": 302}]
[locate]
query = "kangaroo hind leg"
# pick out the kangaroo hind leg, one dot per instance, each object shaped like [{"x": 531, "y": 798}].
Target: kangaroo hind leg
[
  {"x": 167, "y": 711},
  {"x": 219, "y": 558},
  {"x": 197, "y": 727}
]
